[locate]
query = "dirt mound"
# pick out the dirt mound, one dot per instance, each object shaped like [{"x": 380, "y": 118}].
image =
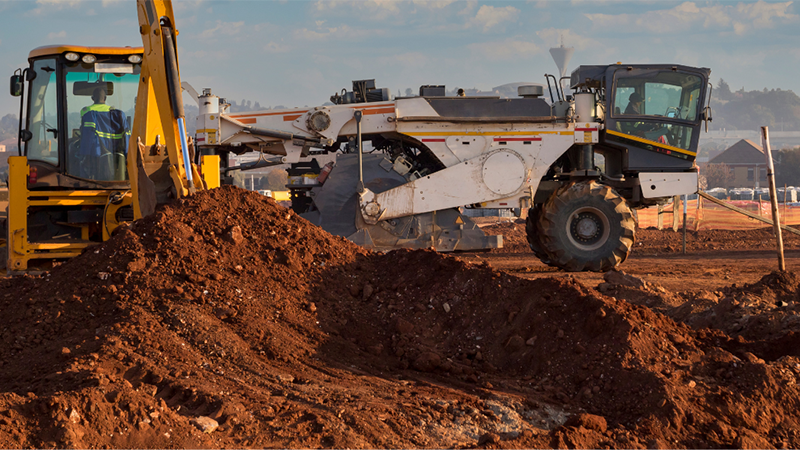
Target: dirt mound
[
  {"x": 514, "y": 237},
  {"x": 227, "y": 313}
]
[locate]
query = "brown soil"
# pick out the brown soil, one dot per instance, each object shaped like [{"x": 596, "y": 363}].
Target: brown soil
[{"x": 229, "y": 307}]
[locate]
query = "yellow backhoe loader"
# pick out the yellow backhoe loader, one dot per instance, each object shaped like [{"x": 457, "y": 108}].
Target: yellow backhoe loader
[{"x": 102, "y": 141}]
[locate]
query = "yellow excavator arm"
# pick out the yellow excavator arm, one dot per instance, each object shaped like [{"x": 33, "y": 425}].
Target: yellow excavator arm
[{"x": 160, "y": 158}]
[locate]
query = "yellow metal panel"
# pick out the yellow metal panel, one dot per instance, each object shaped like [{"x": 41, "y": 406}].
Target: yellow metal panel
[
  {"x": 66, "y": 202},
  {"x": 59, "y": 49},
  {"x": 60, "y": 245},
  {"x": 210, "y": 167},
  {"x": 17, "y": 213}
]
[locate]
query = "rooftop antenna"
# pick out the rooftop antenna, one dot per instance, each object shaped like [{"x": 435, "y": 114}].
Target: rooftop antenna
[{"x": 561, "y": 55}]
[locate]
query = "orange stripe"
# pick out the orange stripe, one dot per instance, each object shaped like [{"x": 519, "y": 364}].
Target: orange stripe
[
  {"x": 368, "y": 112},
  {"x": 266, "y": 114},
  {"x": 291, "y": 118},
  {"x": 247, "y": 120}
]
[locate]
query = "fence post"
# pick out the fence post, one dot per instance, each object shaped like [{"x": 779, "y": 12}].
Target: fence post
[
  {"x": 773, "y": 197},
  {"x": 676, "y": 204}
]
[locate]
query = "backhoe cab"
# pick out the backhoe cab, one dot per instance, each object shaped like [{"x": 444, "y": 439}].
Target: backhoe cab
[
  {"x": 69, "y": 186},
  {"x": 102, "y": 142}
]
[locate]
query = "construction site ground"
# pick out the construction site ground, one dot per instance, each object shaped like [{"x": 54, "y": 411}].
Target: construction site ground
[{"x": 225, "y": 320}]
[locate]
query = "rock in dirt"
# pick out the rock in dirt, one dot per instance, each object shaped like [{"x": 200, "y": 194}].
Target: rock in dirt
[
  {"x": 234, "y": 235},
  {"x": 488, "y": 438},
  {"x": 427, "y": 362},
  {"x": 749, "y": 439},
  {"x": 588, "y": 421},
  {"x": 403, "y": 326},
  {"x": 620, "y": 278},
  {"x": 205, "y": 424}
]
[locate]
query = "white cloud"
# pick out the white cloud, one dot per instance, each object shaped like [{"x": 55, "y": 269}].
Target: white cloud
[
  {"x": 740, "y": 18},
  {"x": 376, "y": 9},
  {"x": 60, "y": 35},
  {"x": 506, "y": 50},
  {"x": 489, "y": 17},
  {"x": 223, "y": 28},
  {"x": 433, "y": 4},
  {"x": 342, "y": 32},
  {"x": 49, "y": 6},
  {"x": 275, "y": 47},
  {"x": 468, "y": 8}
]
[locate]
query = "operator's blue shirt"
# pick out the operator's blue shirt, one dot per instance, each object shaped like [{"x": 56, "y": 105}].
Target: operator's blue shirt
[{"x": 103, "y": 130}]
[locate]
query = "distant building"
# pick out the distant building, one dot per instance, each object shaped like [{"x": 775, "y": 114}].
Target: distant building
[
  {"x": 8, "y": 145},
  {"x": 745, "y": 159}
]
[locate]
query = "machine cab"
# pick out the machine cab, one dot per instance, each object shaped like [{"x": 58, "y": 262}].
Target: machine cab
[
  {"x": 653, "y": 108},
  {"x": 78, "y": 110}
]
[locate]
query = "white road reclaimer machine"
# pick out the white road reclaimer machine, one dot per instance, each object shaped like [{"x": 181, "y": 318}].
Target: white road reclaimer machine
[{"x": 625, "y": 138}]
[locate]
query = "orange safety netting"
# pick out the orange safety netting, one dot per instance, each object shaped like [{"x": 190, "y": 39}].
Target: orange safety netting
[{"x": 708, "y": 215}]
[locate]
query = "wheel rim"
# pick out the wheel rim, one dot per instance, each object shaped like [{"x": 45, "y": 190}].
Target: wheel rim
[{"x": 588, "y": 228}]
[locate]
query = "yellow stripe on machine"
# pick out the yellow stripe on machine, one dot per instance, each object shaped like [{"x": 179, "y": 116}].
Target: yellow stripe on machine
[
  {"x": 649, "y": 142},
  {"x": 487, "y": 133}
]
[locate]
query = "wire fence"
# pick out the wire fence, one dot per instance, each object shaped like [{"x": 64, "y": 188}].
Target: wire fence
[{"x": 702, "y": 214}]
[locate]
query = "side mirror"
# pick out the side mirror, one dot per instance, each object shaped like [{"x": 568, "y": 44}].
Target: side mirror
[
  {"x": 706, "y": 116},
  {"x": 16, "y": 85}
]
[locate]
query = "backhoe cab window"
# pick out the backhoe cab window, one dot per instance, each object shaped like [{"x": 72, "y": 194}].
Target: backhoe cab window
[
  {"x": 100, "y": 104},
  {"x": 663, "y": 102},
  {"x": 43, "y": 113}
]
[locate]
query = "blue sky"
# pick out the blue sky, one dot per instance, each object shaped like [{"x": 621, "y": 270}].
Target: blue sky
[{"x": 297, "y": 53}]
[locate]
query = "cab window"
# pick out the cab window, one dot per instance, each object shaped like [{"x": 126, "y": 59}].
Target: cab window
[
  {"x": 659, "y": 106},
  {"x": 100, "y": 100},
  {"x": 43, "y": 116}
]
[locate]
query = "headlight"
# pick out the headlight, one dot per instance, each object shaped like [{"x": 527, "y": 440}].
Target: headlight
[
  {"x": 135, "y": 59},
  {"x": 88, "y": 59},
  {"x": 71, "y": 56}
]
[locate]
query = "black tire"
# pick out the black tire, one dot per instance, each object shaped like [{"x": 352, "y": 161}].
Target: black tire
[
  {"x": 586, "y": 226},
  {"x": 533, "y": 234}
]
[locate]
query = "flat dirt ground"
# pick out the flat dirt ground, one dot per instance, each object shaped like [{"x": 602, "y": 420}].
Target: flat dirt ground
[{"x": 224, "y": 320}]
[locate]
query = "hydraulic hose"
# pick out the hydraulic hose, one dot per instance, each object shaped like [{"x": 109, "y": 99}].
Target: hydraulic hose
[{"x": 173, "y": 82}]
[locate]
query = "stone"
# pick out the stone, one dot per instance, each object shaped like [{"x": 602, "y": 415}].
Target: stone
[
  {"x": 588, "y": 421},
  {"x": 234, "y": 235},
  {"x": 403, "y": 326},
  {"x": 488, "y": 438},
  {"x": 427, "y": 362},
  {"x": 749, "y": 439},
  {"x": 515, "y": 343},
  {"x": 205, "y": 424},
  {"x": 446, "y": 307},
  {"x": 618, "y": 277},
  {"x": 368, "y": 290},
  {"x": 531, "y": 342}
]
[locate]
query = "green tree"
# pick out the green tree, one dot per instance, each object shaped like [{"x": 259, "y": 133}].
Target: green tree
[
  {"x": 276, "y": 180},
  {"x": 715, "y": 175},
  {"x": 787, "y": 171}
]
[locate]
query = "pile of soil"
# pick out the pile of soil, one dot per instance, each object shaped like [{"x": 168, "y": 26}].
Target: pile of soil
[{"x": 225, "y": 320}]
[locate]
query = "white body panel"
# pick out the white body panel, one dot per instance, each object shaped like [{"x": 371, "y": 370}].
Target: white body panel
[{"x": 666, "y": 184}]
